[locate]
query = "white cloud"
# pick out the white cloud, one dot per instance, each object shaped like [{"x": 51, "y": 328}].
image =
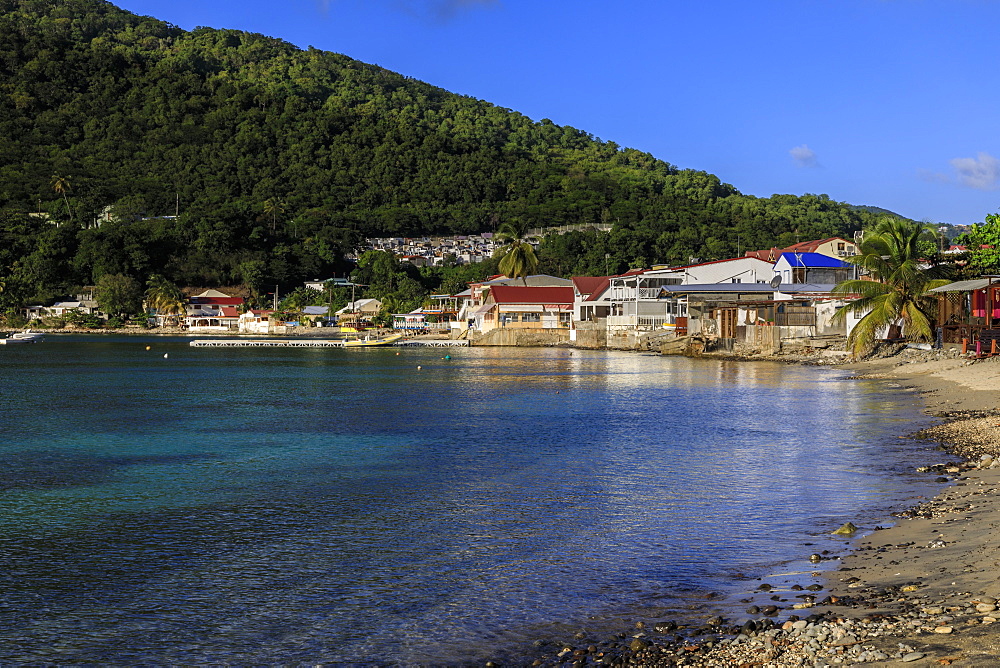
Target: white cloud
[
  {"x": 981, "y": 172},
  {"x": 804, "y": 156}
]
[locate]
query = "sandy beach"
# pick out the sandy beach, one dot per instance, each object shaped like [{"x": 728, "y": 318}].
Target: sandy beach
[{"x": 923, "y": 591}]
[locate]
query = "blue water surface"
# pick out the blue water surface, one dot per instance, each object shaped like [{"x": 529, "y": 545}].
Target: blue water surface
[{"x": 324, "y": 505}]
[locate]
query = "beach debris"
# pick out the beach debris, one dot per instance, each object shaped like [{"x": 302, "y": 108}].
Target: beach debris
[
  {"x": 846, "y": 529},
  {"x": 937, "y": 542}
]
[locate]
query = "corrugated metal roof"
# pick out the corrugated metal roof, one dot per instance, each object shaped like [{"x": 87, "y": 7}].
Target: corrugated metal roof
[
  {"x": 797, "y": 259},
  {"x": 963, "y": 286}
]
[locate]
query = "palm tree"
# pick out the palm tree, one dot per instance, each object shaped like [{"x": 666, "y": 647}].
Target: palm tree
[
  {"x": 517, "y": 255},
  {"x": 895, "y": 290},
  {"x": 61, "y": 185},
  {"x": 274, "y": 207},
  {"x": 164, "y": 297}
]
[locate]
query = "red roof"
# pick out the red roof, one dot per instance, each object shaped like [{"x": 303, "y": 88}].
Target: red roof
[
  {"x": 591, "y": 285},
  {"x": 521, "y": 294},
  {"x": 230, "y": 312},
  {"x": 801, "y": 247}
]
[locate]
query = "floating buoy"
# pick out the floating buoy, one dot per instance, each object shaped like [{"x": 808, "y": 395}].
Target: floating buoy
[
  {"x": 419, "y": 367},
  {"x": 165, "y": 355},
  {"x": 148, "y": 347},
  {"x": 397, "y": 354},
  {"x": 447, "y": 357}
]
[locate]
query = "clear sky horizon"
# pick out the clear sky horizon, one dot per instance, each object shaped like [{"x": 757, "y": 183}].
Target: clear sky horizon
[{"x": 889, "y": 103}]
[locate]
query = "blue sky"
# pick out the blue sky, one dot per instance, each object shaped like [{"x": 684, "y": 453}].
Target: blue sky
[{"x": 891, "y": 103}]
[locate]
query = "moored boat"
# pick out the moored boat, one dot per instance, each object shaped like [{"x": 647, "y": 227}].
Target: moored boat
[
  {"x": 27, "y": 336},
  {"x": 368, "y": 342}
]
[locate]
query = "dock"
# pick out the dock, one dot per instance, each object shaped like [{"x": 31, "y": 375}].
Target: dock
[{"x": 315, "y": 343}]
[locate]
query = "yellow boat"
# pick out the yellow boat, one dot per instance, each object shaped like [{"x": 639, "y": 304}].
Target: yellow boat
[{"x": 368, "y": 342}]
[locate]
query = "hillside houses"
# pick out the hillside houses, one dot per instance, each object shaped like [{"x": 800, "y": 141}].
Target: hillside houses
[{"x": 432, "y": 251}]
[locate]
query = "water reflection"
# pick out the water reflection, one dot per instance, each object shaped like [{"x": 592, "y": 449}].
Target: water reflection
[{"x": 286, "y": 505}]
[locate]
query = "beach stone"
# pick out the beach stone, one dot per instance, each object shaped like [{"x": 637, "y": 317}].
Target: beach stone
[
  {"x": 934, "y": 610},
  {"x": 639, "y": 644},
  {"x": 985, "y": 607},
  {"x": 912, "y": 656},
  {"x": 943, "y": 629},
  {"x": 846, "y": 529}
]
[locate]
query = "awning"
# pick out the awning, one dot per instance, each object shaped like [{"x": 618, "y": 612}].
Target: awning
[{"x": 964, "y": 286}]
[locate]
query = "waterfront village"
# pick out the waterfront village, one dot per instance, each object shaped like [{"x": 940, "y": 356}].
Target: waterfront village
[{"x": 765, "y": 301}]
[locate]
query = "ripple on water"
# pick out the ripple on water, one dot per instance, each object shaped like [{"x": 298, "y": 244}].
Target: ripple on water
[{"x": 282, "y": 505}]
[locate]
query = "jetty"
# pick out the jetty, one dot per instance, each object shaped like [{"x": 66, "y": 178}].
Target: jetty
[{"x": 316, "y": 343}]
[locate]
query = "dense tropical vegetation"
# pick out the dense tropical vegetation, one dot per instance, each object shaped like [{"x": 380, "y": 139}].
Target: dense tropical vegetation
[{"x": 216, "y": 157}]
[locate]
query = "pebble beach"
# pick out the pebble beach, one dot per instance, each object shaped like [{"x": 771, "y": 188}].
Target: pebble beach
[{"x": 921, "y": 590}]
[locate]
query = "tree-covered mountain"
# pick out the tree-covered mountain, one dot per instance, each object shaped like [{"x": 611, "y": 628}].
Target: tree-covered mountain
[{"x": 279, "y": 159}]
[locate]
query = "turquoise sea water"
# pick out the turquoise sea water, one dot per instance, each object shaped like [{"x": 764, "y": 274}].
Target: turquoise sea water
[{"x": 323, "y": 505}]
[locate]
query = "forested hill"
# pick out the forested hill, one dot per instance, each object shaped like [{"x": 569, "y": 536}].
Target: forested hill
[{"x": 277, "y": 158}]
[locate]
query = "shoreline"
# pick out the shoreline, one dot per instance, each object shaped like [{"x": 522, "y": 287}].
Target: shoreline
[{"x": 921, "y": 592}]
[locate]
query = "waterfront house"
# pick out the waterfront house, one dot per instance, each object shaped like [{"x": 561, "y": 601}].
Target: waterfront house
[
  {"x": 255, "y": 321},
  {"x": 635, "y": 297},
  {"x": 212, "y": 311},
  {"x": 472, "y": 309},
  {"x": 527, "y": 307},
  {"x": 591, "y": 298},
  {"x": 359, "y": 312}
]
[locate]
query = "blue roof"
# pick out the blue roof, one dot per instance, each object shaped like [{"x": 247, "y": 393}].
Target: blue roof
[{"x": 813, "y": 260}]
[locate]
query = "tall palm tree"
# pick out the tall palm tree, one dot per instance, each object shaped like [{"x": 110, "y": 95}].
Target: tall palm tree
[
  {"x": 61, "y": 185},
  {"x": 517, "y": 255},
  {"x": 273, "y": 208},
  {"x": 164, "y": 297},
  {"x": 896, "y": 290}
]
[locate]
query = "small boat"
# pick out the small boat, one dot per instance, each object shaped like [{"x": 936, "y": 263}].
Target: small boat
[
  {"x": 27, "y": 336},
  {"x": 368, "y": 341}
]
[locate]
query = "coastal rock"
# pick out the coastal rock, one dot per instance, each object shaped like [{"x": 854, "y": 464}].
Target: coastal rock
[
  {"x": 846, "y": 529},
  {"x": 912, "y": 656},
  {"x": 638, "y": 644}
]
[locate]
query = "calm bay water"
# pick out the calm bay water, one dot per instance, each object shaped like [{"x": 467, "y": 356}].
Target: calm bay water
[{"x": 297, "y": 505}]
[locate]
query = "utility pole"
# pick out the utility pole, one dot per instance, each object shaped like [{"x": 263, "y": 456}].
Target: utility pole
[{"x": 275, "y": 297}]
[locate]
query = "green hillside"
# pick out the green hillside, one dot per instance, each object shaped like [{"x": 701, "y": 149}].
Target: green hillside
[{"x": 278, "y": 159}]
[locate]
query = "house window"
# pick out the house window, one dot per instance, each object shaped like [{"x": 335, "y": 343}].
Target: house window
[
  {"x": 564, "y": 317},
  {"x": 531, "y": 317}
]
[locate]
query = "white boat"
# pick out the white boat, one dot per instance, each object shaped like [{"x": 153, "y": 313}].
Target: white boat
[{"x": 27, "y": 336}]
